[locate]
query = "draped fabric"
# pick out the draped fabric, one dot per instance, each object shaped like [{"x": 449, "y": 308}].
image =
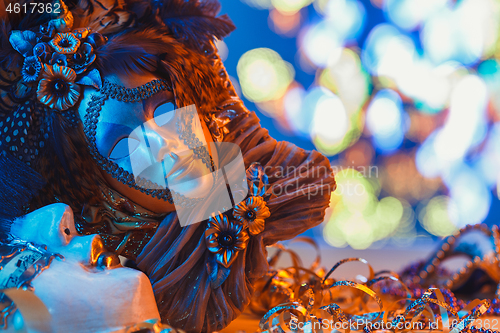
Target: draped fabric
[{"x": 175, "y": 259}]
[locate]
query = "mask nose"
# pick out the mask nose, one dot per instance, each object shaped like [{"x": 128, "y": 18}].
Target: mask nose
[{"x": 160, "y": 141}]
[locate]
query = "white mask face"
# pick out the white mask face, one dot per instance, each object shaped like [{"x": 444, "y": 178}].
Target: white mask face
[{"x": 79, "y": 291}]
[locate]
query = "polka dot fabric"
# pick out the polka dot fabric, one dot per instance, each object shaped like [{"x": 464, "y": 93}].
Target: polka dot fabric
[{"x": 23, "y": 134}]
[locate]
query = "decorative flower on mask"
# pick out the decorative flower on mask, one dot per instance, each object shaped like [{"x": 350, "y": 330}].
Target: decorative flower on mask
[
  {"x": 65, "y": 43},
  {"x": 59, "y": 59},
  {"x": 43, "y": 51},
  {"x": 57, "y": 88},
  {"x": 31, "y": 69},
  {"x": 252, "y": 213},
  {"x": 225, "y": 238},
  {"x": 83, "y": 58}
]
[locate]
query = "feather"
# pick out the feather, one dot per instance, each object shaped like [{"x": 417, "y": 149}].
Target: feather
[
  {"x": 23, "y": 41},
  {"x": 194, "y": 21},
  {"x": 18, "y": 185},
  {"x": 103, "y": 16},
  {"x": 132, "y": 52}
]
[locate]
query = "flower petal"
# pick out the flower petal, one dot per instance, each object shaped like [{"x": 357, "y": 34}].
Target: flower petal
[
  {"x": 214, "y": 222},
  {"x": 212, "y": 241},
  {"x": 256, "y": 227},
  {"x": 23, "y": 41},
  {"x": 263, "y": 213},
  {"x": 92, "y": 79},
  {"x": 226, "y": 257},
  {"x": 68, "y": 73},
  {"x": 242, "y": 241}
]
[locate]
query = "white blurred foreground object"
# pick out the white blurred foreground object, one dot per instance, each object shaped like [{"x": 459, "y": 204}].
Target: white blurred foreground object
[{"x": 84, "y": 289}]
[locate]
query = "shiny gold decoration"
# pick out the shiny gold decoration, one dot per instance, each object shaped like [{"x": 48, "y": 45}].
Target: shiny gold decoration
[
  {"x": 252, "y": 213},
  {"x": 125, "y": 227},
  {"x": 108, "y": 260},
  {"x": 97, "y": 248},
  {"x": 308, "y": 298}
]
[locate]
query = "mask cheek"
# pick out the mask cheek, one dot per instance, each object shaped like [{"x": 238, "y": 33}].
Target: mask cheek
[{"x": 144, "y": 167}]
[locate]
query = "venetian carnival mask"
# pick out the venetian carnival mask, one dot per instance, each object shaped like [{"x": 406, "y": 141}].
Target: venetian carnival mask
[
  {"x": 146, "y": 147},
  {"x": 74, "y": 276},
  {"x": 157, "y": 154}
]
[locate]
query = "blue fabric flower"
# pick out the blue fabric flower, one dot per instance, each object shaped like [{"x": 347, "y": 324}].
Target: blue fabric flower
[
  {"x": 59, "y": 59},
  {"x": 83, "y": 58},
  {"x": 225, "y": 238},
  {"x": 43, "y": 51},
  {"x": 31, "y": 69}
]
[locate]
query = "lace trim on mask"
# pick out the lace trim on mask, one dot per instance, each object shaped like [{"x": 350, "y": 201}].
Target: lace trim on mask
[{"x": 131, "y": 95}]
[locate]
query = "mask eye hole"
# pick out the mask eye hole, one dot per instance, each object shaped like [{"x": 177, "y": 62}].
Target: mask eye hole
[
  {"x": 124, "y": 148},
  {"x": 164, "y": 113}
]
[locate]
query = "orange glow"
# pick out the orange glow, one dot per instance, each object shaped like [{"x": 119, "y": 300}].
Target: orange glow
[
  {"x": 422, "y": 125},
  {"x": 401, "y": 178},
  {"x": 360, "y": 154},
  {"x": 285, "y": 24}
]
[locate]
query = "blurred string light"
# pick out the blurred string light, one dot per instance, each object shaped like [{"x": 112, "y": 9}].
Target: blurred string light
[
  {"x": 347, "y": 79},
  {"x": 465, "y": 128},
  {"x": 470, "y": 194},
  {"x": 400, "y": 178},
  {"x": 289, "y": 6},
  {"x": 359, "y": 219},
  {"x": 489, "y": 71},
  {"x": 464, "y": 32},
  {"x": 259, "y": 4},
  {"x": 409, "y": 14},
  {"x": 222, "y": 49},
  {"x": 322, "y": 42},
  {"x": 488, "y": 163},
  {"x": 346, "y": 17},
  {"x": 428, "y": 75},
  {"x": 264, "y": 75},
  {"x": 422, "y": 124},
  {"x": 437, "y": 216},
  {"x": 286, "y": 24},
  {"x": 392, "y": 57},
  {"x": 386, "y": 121}
]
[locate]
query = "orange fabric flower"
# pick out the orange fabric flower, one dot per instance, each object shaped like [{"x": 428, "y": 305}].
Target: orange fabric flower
[
  {"x": 65, "y": 43},
  {"x": 252, "y": 213},
  {"x": 57, "y": 88}
]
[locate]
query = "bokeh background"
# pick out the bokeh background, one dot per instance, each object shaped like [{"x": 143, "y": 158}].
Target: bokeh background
[{"x": 403, "y": 96}]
